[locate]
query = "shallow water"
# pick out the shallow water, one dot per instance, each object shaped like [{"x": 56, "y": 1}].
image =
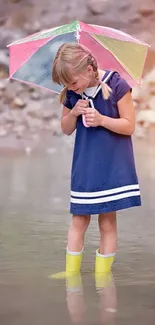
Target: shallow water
[{"x": 34, "y": 218}]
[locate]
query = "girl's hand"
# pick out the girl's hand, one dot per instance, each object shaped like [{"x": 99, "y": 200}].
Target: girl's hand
[
  {"x": 80, "y": 107},
  {"x": 93, "y": 117}
]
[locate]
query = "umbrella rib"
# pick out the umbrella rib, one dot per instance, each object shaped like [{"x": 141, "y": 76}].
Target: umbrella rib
[
  {"x": 41, "y": 33},
  {"x": 132, "y": 38},
  {"x": 98, "y": 41},
  {"x": 144, "y": 61},
  {"x": 31, "y": 83},
  {"x": 29, "y": 38}
]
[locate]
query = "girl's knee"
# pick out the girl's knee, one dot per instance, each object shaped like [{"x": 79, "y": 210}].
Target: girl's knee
[
  {"x": 81, "y": 222},
  {"x": 107, "y": 222}
]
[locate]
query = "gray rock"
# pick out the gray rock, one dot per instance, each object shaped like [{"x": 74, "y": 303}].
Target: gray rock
[
  {"x": 4, "y": 64},
  {"x": 146, "y": 116},
  {"x": 34, "y": 123},
  {"x": 34, "y": 95},
  {"x": 140, "y": 132},
  {"x": 47, "y": 114},
  {"x": 135, "y": 19},
  {"x": 17, "y": 116},
  {"x": 18, "y": 103},
  {"x": 12, "y": 90},
  {"x": 34, "y": 109},
  {"x": 96, "y": 7},
  {"x": 140, "y": 94},
  {"x": 19, "y": 130},
  {"x": 152, "y": 90},
  {"x": 32, "y": 27},
  {"x": 150, "y": 78},
  {"x": 3, "y": 84},
  {"x": 7, "y": 117},
  {"x": 55, "y": 127},
  {"x": 151, "y": 103},
  {"x": 9, "y": 35}
]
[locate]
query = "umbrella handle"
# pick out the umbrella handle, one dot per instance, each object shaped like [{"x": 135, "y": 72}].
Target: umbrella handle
[
  {"x": 84, "y": 122},
  {"x": 83, "y": 116}
]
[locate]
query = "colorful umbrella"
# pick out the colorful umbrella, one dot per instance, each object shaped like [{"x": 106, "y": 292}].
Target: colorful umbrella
[{"x": 31, "y": 58}]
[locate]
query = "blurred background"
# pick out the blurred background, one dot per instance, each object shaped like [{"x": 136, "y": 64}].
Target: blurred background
[{"x": 35, "y": 161}]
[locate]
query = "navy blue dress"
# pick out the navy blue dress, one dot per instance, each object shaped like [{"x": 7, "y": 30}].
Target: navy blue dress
[{"x": 103, "y": 176}]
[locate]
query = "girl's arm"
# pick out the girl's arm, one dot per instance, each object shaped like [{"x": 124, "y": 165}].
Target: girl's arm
[
  {"x": 69, "y": 117},
  {"x": 126, "y": 123},
  {"x": 68, "y": 121}
]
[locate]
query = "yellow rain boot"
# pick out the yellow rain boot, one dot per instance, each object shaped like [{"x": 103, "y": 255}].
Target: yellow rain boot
[
  {"x": 73, "y": 265},
  {"x": 103, "y": 263}
]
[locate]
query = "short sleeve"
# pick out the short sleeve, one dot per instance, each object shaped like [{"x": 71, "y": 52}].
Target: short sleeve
[
  {"x": 67, "y": 101},
  {"x": 119, "y": 86}
]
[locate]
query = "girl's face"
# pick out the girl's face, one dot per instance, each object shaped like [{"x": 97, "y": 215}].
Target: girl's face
[{"x": 82, "y": 81}]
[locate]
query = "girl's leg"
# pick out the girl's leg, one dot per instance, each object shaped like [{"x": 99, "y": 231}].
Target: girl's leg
[
  {"x": 75, "y": 245},
  {"x": 108, "y": 230},
  {"x": 75, "y": 299},
  {"x": 106, "y": 252},
  {"x": 77, "y": 231}
]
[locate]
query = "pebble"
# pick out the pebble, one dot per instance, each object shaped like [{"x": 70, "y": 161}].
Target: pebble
[
  {"x": 18, "y": 103},
  {"x": 28, "y": 150},
  {"x": 96, "y": 7}
]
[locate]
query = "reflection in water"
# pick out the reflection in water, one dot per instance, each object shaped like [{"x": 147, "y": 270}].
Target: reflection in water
[
  {"x": 107, "y": 292},
  {"x": 75, "y": 298},
  {"x": 76, "y": 303}
]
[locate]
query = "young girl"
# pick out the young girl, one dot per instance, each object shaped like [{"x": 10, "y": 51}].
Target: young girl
[{"x": 98, "y": 104}]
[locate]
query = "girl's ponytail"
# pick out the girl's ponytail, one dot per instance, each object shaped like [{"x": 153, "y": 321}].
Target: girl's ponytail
[
  {"x": 62, "y": 95},
  {"x": 106, "y": 90}
]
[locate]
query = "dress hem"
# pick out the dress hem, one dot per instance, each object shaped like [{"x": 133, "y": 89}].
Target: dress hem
[{"x": 98, "y": 210}]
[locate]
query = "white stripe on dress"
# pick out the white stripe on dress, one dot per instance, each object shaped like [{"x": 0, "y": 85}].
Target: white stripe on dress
[
  {"x": 105, "y": 199},
  {"x": 106, "y": 192},
  {"x": 107, "y": 77}
]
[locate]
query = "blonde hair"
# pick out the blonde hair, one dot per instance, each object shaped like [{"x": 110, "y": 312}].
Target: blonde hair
[{"x": 79, "y": 57}]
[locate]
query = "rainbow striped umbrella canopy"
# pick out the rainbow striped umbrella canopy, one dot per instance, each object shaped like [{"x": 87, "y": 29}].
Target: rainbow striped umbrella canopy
[{"x": 31, "y": 58}]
